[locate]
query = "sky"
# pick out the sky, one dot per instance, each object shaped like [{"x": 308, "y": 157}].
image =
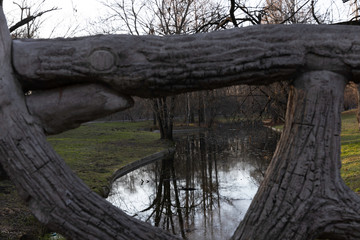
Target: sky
[
  {"x": 72, "y": 15},
  {"x": 75, "y": 17}
]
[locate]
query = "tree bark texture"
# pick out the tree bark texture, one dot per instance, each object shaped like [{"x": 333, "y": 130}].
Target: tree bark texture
[
  {"x": 152, "y": 66},
  {"x": 303, "y": 196},
  {"x": 65, "y": 108},
  {"x": 56, "y": 196}
]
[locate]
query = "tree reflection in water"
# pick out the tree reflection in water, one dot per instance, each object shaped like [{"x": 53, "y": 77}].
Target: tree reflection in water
[{"x": 204, "y": 190}]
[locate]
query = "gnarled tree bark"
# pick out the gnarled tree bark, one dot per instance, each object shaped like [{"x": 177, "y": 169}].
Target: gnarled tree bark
[
  {"x": 302, "y": 196},
  {"x": 56, "y": 196},
  {"x": 60, "y": 109},
  {"x": 152, "y": 66}
]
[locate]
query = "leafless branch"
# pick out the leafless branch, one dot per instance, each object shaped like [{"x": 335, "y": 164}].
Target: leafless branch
[
  {"x": 251, "y": 17},
  {"x": 313, "y": 12},
  {"x": 232, "y": 13},
  {"x": 295, "y": 12},
  {"x": 185, "y": 16},
  {"x": 30, "y": 18}
]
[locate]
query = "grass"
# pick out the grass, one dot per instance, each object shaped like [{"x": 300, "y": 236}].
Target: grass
[
  {"x": 278, "y": 127},
  {"x": 350, "y": 150},
  {"x": 95, "y": 151}
]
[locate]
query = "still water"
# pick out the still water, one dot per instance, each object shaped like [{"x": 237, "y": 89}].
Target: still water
[{"x": 202, "y": 192}]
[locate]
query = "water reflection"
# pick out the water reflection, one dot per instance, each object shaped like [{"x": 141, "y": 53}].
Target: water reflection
[{"x": 203, "y": 191}]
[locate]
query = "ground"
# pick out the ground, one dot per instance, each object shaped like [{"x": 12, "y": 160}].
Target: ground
[
  {"x": 15, "y": 218},
  {"x": 350, "y": 151}
]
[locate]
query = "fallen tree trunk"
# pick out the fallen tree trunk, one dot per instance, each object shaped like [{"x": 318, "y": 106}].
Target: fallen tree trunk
[{"x": 152, "y": 66}]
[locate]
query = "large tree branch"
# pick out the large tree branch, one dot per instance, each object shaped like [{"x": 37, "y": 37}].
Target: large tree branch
[{"x": 150, "y": 66}]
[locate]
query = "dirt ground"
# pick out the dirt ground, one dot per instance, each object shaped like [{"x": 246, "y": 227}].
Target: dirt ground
[{"x": 16, "y": 220}]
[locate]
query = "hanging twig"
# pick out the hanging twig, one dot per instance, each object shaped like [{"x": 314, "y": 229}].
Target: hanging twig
[
  {"x": 232, "y": 13},
  {"x": 313, "y": 12}
]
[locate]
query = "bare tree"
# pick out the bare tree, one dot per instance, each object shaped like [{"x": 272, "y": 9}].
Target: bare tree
[{"x": 30, "y": 22}]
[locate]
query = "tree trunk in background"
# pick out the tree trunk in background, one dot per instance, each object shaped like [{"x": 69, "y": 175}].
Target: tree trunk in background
[
  {"x": 189, "y": 111},
  {"x": 3, "y": 174},
  {"x": 303, "y": 196},
  {"x": 358, "y": 108},
  {"x": 201, "y": 109},
  {"x": 211, "y": 109},
  {"x": 165, "y": 116}
]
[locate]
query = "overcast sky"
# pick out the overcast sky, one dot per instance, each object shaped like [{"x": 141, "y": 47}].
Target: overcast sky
[
  {"x": 71, "y": 13},
  {"x": 74, "y": 17}
]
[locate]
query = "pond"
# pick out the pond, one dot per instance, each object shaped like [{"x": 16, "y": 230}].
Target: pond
[{"x": 205, "y": 189}]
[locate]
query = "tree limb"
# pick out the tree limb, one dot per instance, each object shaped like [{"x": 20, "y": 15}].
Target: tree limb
[
  {"x": 29, "y": 19},
  {"x": 134, "y": 65},
  {"x": 232, "y": 13},
  {"x": 313, "y": 12},
  {"x": 61, "y": 109},
  {"x": 294, "y": 13}
]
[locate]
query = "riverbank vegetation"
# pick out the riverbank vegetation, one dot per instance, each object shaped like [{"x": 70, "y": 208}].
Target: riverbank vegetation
[
  {"x": 96, "y": 150},
  {"x": 350, "y": 150}
]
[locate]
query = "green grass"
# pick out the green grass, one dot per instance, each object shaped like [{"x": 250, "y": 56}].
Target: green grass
[
  {"x": 95, "y": 151},
  {"x": 279, "y": 127},
  {"x": 350, "y": 150}
]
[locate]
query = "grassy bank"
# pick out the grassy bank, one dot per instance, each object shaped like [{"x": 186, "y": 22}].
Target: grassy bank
[
  {"x": 93, "y": 151},
  {"x": 350, "y": 150}
]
